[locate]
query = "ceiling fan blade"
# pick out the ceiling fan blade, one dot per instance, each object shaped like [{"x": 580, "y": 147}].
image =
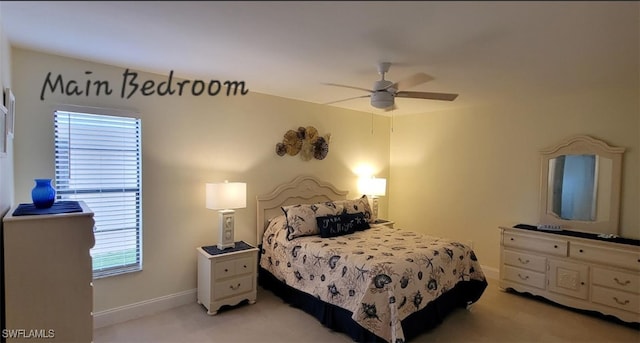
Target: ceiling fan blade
[
  {"x": 411, "y": 81},
  {"x": 427, "y": 95},
  {"x": 345, "y": 86},
  {"x": 355, "y": 97}
]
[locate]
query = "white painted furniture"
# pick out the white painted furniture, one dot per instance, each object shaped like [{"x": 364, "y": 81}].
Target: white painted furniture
[
  {"x": 48, "y": 275},
  {"x": 582, "y": 273},
  {"x": 227, "y": 277}
]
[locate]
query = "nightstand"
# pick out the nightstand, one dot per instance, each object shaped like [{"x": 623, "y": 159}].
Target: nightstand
[
  {"x": 383, "y": 222},
  {"x": 226, "y": 277}
]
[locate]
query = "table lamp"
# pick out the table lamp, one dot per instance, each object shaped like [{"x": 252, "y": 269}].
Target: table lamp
[
  {"x": 225, "y": 197},
  {"x": 374, "y": 188}
]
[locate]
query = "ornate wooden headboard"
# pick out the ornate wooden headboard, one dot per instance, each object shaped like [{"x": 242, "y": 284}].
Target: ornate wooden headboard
[{"x": 301, "y": 190}]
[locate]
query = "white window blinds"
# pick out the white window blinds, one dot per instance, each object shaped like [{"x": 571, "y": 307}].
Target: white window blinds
[{"x": 98, "y": 160}]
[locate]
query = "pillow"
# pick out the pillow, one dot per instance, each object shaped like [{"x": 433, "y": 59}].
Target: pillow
[
  {"x": 344, "y": 224},
  {"x": 275, "y": 226},
  {"x": 301, "y": 219},
  {"x": 360, "y": 205}
]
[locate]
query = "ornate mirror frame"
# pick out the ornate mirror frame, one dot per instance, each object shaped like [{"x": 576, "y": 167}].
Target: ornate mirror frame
[{"x": 583, "y": 145}]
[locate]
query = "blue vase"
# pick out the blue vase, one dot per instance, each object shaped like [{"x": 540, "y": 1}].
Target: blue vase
[{"x": 43, "y": 194}]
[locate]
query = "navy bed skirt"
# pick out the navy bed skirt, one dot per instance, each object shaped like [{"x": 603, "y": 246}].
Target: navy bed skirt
[{"x": 339, "y": 319}]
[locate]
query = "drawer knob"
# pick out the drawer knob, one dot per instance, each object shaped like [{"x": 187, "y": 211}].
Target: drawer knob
[
  {"x": 514, "y": 240},
  {"x": 226, "y": 270},
  {"x": 621, "y": 302},
  {"x": 581, "y": 250},
  {"x": 555, "y": 246},
  {"x": 234, "y": 288},
  {"x": 523, "y": 261},
  {"x": 626, "y": 282},
  {"x": 526, "y": 277},
  {"x": 245, "y": 267}
]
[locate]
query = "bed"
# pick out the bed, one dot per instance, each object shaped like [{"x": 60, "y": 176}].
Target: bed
[{"x": 322, "y": 253}]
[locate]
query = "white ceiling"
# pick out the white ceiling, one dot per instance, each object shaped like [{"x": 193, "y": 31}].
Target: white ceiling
[{"x": 484, "y": 51}]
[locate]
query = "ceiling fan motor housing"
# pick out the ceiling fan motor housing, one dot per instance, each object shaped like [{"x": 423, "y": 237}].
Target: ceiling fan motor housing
[{"x": 381, "y": 99}]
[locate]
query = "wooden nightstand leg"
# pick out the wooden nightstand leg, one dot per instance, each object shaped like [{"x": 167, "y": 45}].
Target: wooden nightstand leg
[
  {"x": 212, "y": 313},
  {"x": 251, "y": 302}
]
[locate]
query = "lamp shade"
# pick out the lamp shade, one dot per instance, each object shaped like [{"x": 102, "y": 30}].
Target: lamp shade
[
  {"x": 373, "y": 186},
  {"x": 226, "y": 196}
]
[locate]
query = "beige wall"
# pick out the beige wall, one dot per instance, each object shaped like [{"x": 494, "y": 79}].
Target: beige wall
[
  {"x": 461, "y": 174},
  {"x": 6, "y": 162},
  {"x": 188, "y": 141}
]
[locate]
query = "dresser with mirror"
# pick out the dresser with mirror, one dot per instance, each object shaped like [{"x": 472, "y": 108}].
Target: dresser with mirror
[{"x": 574, "y": 256}]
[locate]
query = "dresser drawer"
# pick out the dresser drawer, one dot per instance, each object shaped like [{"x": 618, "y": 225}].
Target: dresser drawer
[
  {"x": 614, "y": 279},
  {"x": 524, "y": 276},
  {"x": 527, "y": 261},
  {"x": 614, "y": 298},
  {"x": 614, "y": 257},
  {"x": 557, "y": 247},
  {"x": 233, "y": 287}
]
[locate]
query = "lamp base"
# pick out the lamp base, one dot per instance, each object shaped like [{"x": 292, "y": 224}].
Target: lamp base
[
  {"x": 374, "y": 200},
  {"x": 226, "y": 227},
  {"x": 226, "y": 246}
]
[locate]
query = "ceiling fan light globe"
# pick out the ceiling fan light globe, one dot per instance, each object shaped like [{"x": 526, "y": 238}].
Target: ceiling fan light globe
[{"x": 382, "y": 99}]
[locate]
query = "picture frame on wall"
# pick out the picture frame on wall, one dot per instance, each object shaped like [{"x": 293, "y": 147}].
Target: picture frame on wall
[{"x": 10, "y": 103}]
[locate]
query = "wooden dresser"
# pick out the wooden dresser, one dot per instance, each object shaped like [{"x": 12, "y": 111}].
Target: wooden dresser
[
  {"x": 573, "y": 269},
  {"x": 48, "y": 275}
]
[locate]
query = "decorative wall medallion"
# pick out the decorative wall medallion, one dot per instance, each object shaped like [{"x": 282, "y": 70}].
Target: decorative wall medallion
[{"x": 306, "y": 142}]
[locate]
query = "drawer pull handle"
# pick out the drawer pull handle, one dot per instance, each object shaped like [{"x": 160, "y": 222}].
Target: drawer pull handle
[
  {"x": 523, "y": 261},
  {"x": 234, "y": 288},
  {"x": 526, "y": 277},
  {"x": 626, "y": 282},
  {"x": 621, "y": 302}
]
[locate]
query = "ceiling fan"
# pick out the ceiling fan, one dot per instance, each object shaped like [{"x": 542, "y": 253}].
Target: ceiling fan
[{"x": 384, "y": 91}]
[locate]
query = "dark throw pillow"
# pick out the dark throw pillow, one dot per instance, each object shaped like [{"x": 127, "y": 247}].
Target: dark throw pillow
[{"x": 344, "y": 224}]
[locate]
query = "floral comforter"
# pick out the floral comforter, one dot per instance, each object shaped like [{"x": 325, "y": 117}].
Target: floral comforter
[{"x": 382, "y": 275}]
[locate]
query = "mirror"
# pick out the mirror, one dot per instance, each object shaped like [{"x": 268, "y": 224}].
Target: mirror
[{"x": 580, "y": 185}]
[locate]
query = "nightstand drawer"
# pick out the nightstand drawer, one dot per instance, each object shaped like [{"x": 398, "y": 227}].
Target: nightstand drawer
[
  {"x": 232, "y": 287},
  {"x": 224, "y": 269},
  {"x": 245, "y": 265},
  {"x": 230, "y": 268}
]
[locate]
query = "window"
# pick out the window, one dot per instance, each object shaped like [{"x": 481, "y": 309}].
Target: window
[{"x": 98, "y": 160}]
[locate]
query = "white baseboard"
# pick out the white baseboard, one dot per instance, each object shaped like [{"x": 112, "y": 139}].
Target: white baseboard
[
  {"x": 142, "y": 308},
  {"x": 491, "y": 273}
]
